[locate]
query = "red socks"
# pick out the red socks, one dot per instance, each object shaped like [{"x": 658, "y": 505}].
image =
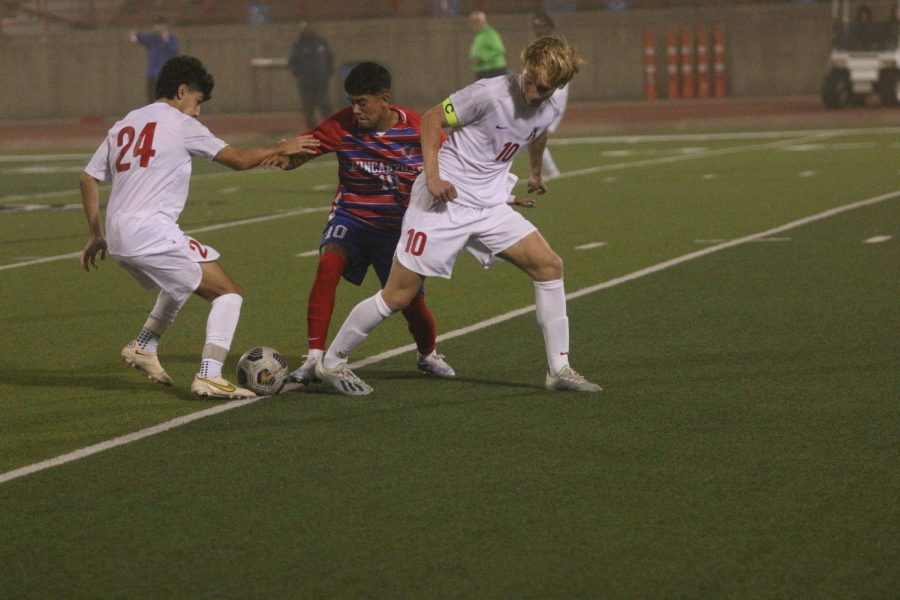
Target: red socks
[
  {"x": 421, "y": 324},
  {"x": 321, "y": 305},
  {"x": 321, "y": 298}
]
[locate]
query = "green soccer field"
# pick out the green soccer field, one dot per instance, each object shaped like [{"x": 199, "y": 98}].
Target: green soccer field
[{"x": 736, "y": 294}]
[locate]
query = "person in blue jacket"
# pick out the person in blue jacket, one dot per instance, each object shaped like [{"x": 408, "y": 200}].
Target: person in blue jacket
[{"x": 161, "y": 45}]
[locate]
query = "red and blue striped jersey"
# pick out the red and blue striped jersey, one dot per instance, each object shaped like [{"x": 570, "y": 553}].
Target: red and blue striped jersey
[{"x": 376, "y": 169}]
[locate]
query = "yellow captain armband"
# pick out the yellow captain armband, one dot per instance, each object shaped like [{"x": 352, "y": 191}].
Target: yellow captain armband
[{"x": 449, "y": 113}]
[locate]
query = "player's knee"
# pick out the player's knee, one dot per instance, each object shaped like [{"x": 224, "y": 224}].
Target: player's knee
[
  {"x": 550, "y": 268},
  {"x": 398, "y": 298}
]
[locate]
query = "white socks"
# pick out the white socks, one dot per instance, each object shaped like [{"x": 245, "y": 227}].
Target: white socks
[
  {"x": 162, "y": 315},
  {"x": 364, "y": 317},
  {"x": 220, "y": 327},
  {"x": 550, "y": 300}
]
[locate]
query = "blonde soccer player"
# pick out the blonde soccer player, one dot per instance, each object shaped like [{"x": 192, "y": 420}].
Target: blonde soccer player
[{"x": 460, "y": 202}]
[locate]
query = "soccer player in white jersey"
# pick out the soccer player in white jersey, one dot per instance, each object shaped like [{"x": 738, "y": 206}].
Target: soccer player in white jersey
[
  {"x": 460, "y": 202},
  {"x": 147, "y": 158}
]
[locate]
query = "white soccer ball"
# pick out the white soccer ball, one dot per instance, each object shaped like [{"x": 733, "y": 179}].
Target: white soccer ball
[{"x": 262, "y": 370}]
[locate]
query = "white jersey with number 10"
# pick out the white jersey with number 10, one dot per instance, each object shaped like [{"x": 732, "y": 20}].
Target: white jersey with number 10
[{"x": 492, "y": 123}]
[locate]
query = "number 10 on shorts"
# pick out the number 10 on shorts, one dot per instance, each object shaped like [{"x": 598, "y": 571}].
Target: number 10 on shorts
[{"x": 415, "y": 242}]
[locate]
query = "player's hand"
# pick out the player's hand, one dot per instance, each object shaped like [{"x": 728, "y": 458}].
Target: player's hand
[
  {"x": 94, "y": 246},
  {"x": 524, "y": 202},
  {"x": 536, "y": 185},
  {"x": 442, "y": 190},
  {"x": 277, "y": 162},
  {"x": 302, "y": 144}
]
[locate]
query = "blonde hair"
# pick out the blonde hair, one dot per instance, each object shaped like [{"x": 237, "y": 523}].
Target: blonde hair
[{"x": 552, "y": 60}]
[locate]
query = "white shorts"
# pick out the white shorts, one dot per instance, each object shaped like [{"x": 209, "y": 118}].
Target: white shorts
[
  {"x": 176, "y": 271},
  {"x": 434, "y": 232}
]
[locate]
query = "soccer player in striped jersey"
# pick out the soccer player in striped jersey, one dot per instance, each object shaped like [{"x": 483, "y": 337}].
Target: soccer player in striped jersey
[
  {"x": 146, "y": 157},
  {"x": 379, "y": 157},
  {"x": 461, "y": 202}
]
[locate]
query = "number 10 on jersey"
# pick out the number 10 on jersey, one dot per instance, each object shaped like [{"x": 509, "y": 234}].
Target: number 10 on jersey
[{"x": 415, "y": 242}]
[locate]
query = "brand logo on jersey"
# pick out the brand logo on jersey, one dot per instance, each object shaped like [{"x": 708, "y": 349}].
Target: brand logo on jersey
[{"x": 500, "y": 127}]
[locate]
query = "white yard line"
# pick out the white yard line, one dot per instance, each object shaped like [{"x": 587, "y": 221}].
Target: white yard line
[
  {"x": 121, "y": 440},
  {"x": 877, "y": 239},
  {"x": 691, "y": 156},
  {"x": 569, "y": 174},
  {"x": 263, "y": 219},
  {"x": 725, "y": 136},
  {"x": 166, "y": 426},
  {"x": 324, "y": 164},
  {"x": 594, "y": 140}
]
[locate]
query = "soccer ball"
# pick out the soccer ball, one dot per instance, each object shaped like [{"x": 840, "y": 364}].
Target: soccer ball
[{"x": 262, "y": 370}]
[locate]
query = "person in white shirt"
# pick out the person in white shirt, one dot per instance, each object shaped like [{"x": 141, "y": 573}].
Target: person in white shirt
[
  {"x": 147, "y": 158},
  {"x": 460, "y": 201}
]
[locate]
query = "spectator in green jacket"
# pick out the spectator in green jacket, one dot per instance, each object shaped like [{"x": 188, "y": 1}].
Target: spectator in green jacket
[{"x": 487, "y": 51}]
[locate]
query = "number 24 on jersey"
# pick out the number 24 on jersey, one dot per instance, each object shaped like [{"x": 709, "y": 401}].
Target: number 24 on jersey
[{"x": 141, "y": 149}]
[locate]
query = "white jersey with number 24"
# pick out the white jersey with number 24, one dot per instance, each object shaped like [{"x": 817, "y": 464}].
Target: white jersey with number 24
[{"x": 147, "y": 158}]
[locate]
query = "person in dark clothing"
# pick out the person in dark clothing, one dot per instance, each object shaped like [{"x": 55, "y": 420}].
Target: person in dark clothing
[
  {"x": 312, "y": 63},
  {"x": 161, "y": 46}
]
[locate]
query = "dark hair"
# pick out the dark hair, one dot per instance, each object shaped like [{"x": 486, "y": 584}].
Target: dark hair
[
  {"x": 187, "y": 70},
  {"x": 367, "y": 78}
]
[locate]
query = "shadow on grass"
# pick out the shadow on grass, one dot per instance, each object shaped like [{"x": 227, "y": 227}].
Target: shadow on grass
[{"x": 391, "y": 379}]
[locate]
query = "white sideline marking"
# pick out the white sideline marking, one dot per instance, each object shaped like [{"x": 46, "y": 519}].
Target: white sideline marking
[
  {"x": 43, "y": 157},
  {"x": 720, "y": 240},
  {"x": 780, "y": 143},
  {"x": 121, "y": 440},
  {"x": 638, "y": 274},
  {"x": 14, "y": 197},
  {"x": 263, "y": 219},
  {"x": 308, "y": 254},
  {"x": 8, "y": 209},
  {"x": 877, "y": 239},
  {"x": 807, "y": 173},
  {"x": 143, "y": 433},
  {"x": 590, "y": 246},
  {"x": 577, "y": 173},
  {"x": 705, "y": 137}
]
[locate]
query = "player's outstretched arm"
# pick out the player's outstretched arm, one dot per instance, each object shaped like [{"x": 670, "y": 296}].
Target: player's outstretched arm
[
  {"x": 432, "y": 126},
  {"x": 286, "y": 163},
  {"x": 535, "y": 163},
  {"x": 96, "y": 243},
  {"x": 241, "y": 159}
]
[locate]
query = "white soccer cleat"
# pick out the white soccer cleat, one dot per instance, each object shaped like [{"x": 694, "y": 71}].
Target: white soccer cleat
[
  {"x": 434, "y": 364},
  {"x": 343, "y": 379},
  {"x": 218, "y": 387},
  {"x": 306, "y": 373},
  {"x": 569, "y": 380},
  {"x": 145, "y": 362}
]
